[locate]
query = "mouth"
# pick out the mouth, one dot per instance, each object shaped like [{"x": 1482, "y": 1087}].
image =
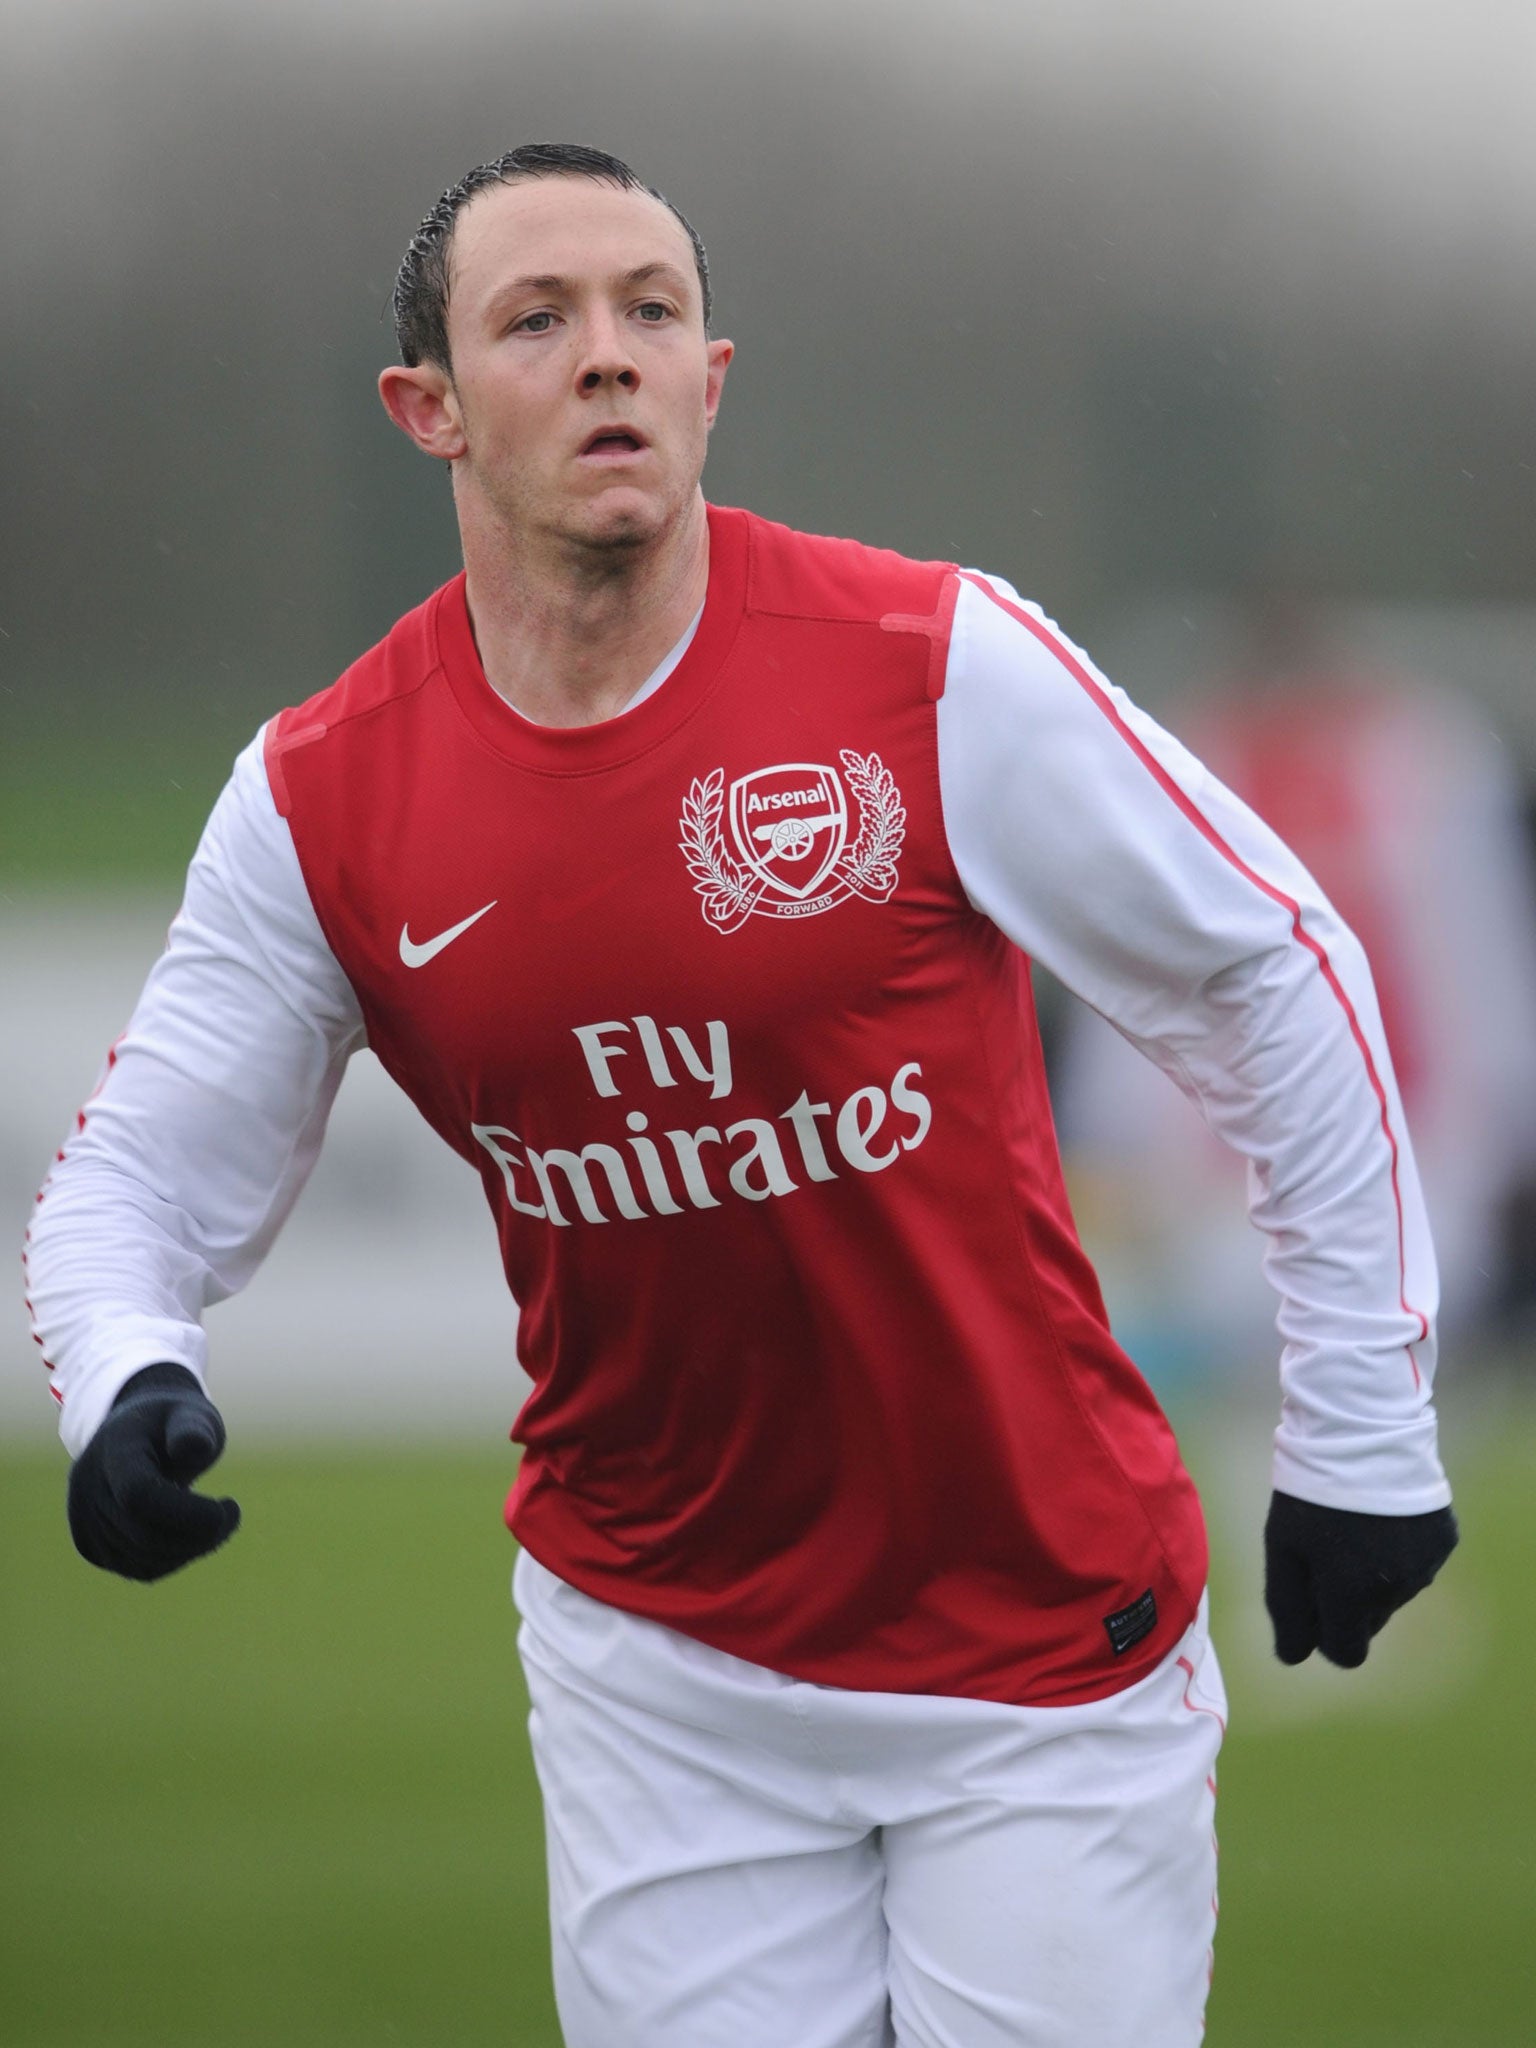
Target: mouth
[{"x": 610, "y": 444}]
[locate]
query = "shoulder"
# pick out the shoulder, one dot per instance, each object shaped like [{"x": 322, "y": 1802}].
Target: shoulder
[
  {"x": 1021, "y": 695},
  {"x": 819, "y": 576},
  {"x": 995, "y": 624},
  {"x": 389, "y": 674},
  {"x": 248, "y": 907},
  {"x": 1004, "y": 644},
  {"x": 246, "y": 852}
]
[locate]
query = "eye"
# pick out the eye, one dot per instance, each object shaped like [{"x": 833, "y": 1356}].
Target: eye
[
  {"x": 534, "y": 323},
  {"x": 654, "y": 311}
]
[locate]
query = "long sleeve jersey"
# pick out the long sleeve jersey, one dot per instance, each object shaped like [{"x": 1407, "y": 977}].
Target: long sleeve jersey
[{"x": 727, "y": 1002}]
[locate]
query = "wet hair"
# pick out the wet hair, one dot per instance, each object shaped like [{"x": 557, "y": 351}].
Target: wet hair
[{"x": 421, "y": 288}]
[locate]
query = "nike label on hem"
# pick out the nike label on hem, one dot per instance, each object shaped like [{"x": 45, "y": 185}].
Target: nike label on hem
[{"x": 1131, "y": 1623}]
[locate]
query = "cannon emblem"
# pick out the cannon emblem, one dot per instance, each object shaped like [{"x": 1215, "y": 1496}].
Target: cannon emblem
[{"x": 790, "y": 826}]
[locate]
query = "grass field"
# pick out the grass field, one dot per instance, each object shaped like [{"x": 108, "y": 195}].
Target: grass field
[
  {"x": 114, "y": 787},
  {"x": 285, "y": 1799}
]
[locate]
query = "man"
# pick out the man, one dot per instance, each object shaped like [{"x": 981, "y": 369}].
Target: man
[{"x": 682, "y": 869}]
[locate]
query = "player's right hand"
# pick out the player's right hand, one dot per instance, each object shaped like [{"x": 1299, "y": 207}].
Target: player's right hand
[{"x": 131, "y": 1505}]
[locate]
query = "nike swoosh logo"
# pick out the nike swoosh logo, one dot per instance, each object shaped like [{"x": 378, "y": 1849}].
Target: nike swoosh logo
[{"x": 418, "y": 956}]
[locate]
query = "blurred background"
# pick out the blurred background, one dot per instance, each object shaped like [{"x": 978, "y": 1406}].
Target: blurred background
[{"x": 1211, "y": 330}]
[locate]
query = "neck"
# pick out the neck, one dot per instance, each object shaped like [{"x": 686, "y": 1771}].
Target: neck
[{"x": 568, "y": 637}]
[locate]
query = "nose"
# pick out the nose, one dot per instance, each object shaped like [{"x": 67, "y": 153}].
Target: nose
[{"x": 606, "y": 359}]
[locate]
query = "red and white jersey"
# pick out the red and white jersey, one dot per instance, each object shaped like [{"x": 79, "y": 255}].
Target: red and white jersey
[{"x": 727, "y": 1001}]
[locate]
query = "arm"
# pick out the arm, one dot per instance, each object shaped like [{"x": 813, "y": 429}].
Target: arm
[
  {"x": 208, "y": 1119},
  {"x": 1105, "y": 850}
]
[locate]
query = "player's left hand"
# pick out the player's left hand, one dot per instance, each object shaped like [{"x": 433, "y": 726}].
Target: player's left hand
[{"x": 1332, "y": 1577}]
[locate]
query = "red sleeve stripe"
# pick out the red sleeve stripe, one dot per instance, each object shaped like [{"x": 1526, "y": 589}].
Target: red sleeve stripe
[
  {"x": 58, "y": 1159},
  {"x": 26, "y": 1282},
  {"x": 1207, "y": 830}
]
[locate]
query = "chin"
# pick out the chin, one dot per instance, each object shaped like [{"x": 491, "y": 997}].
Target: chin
[{"x": 628, "y": 523}]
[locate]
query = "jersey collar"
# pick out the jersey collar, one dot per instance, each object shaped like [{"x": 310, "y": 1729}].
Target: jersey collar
[{"x": 583, "y": 749}]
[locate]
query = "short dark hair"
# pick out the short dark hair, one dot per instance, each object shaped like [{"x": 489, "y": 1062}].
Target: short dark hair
[{"x": 421, "y": 288}]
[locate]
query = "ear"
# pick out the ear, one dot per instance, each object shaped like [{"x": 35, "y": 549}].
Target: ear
[
  {"x": 425, "y": 407},
  {"x": 718, "y": 361}
]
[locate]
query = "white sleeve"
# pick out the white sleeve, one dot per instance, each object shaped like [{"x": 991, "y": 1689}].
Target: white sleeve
[
  {"x": 208, "y": 1118},
  {"x": 1107, "y": 852}
]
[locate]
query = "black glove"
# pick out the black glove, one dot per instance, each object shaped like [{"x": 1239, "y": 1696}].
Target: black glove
[
  {"x": 1332, "y": 1577},
  {"x": 131, "y": 1506}
]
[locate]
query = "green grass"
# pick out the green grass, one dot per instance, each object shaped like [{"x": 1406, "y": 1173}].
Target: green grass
[
  {"x": 1378, "y": 1867},
  {"x": 116, "y": 788},
  {"x": 285, "y": 1798}
]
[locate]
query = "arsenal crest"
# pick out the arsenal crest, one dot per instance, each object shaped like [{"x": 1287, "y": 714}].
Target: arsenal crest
[{"x": 789, "y": 853}]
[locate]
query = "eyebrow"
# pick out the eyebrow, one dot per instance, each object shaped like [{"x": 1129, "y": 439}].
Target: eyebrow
[{"x": 641, "y": 274}]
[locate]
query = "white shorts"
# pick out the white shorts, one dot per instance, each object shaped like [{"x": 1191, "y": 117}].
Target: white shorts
[{"x": 743, "y": 1860}]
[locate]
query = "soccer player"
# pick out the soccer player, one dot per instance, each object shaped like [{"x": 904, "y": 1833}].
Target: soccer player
[{"x": 684, "y": 871}]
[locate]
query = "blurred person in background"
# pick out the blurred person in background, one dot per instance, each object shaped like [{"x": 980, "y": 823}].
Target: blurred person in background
[
  {"x": 1402, "y": 803},
  {"x": 682, "y": 869}
]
